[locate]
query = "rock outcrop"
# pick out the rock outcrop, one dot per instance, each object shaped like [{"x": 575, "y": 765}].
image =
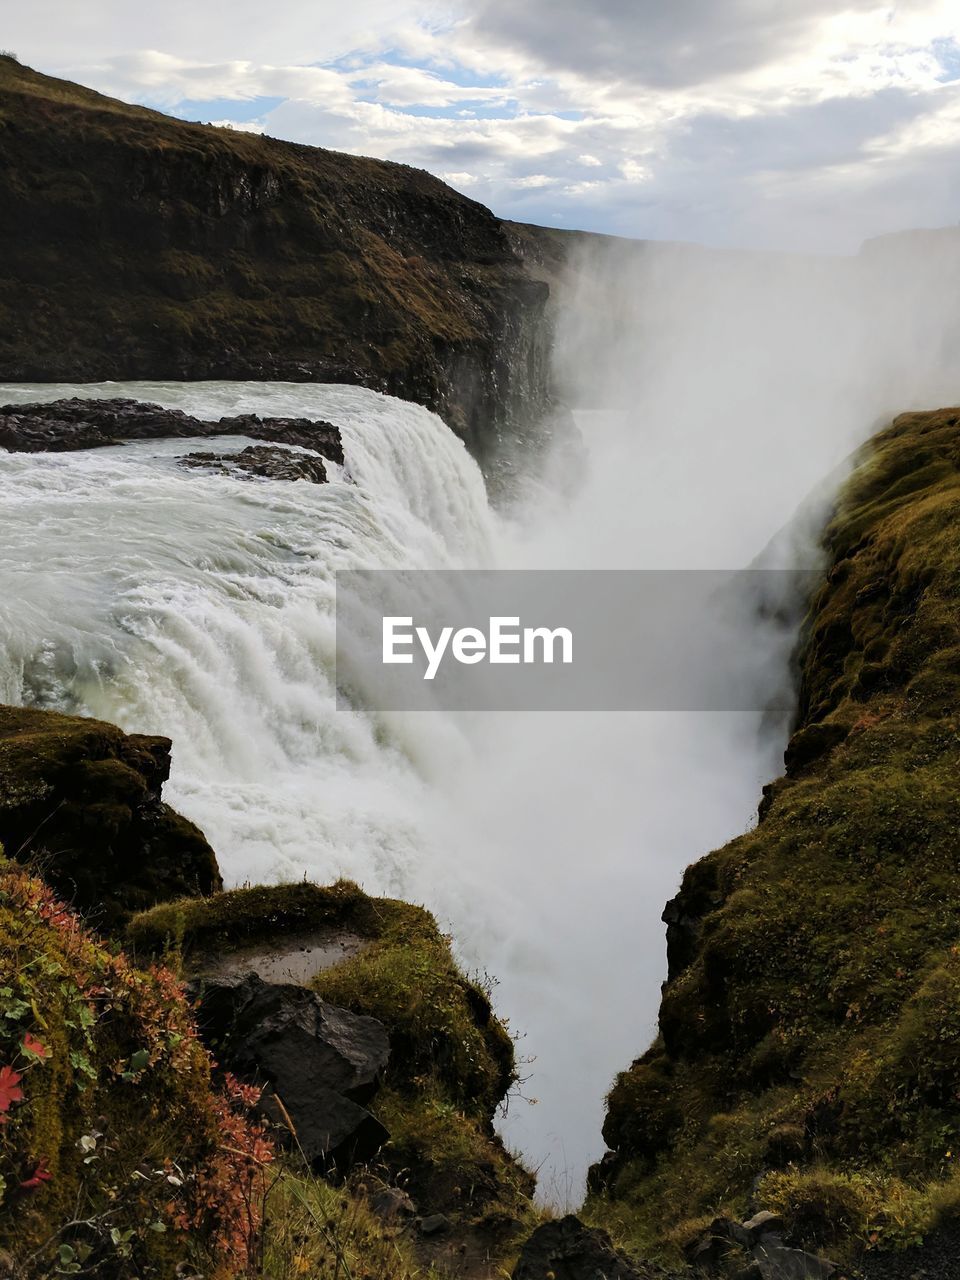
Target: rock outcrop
[
  {"x": 81, "y": 800},
  {"x": 755, "y": 1248},
  {"x": 269, "y": 462},
  {"x": 139, "y": 246},
  {"x": 808, "y": 1061},
  {"x": 65, "y": 426}
]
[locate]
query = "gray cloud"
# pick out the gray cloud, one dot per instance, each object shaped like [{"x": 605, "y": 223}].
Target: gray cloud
[
  {"x": 656, "y": 43},
  {"x": 806, "y": 136}
]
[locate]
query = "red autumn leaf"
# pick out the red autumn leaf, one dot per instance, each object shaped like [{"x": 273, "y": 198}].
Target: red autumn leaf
[
  {"x": 33, "y": 1047},
  {"x": 9, "y": 1091},
  {"x": 40, "y": 1175}
]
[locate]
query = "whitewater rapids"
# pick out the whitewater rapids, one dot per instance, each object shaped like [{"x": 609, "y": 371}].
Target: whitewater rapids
[{"x": 200, "y": 606}]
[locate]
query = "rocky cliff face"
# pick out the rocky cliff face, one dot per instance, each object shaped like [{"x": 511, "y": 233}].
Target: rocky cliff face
[
  {"x": 138, "y": 246},
  {"x": 808, "y": 1061}
]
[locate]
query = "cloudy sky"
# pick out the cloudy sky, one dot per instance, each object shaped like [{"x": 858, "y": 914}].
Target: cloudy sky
[{"x": 767, "y": 123}]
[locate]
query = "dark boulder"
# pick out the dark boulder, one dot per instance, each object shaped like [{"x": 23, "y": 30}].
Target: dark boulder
[
  {"x": 267, "y": 461},
  {"x": 332, "y": 1132},
  {"x": 319, "y": 1063},
  {"x": 568, "y": 1250},
  {"x": 66, "y": 425}
]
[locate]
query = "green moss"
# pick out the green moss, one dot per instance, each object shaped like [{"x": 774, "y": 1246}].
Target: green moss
[
  {"x": 313, "y": 1229},
  {"x": 449, "y": 1158},
  {"x": 812, "y": 1036},
  {"x": 230, "y": 921},
  {"x": 441, "y": 1025}
]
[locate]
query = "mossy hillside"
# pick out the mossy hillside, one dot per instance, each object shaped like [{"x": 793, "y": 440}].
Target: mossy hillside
[
  {"x": 139, "y": 246},
  {"x": 809, "y": 1049},
  {"x": 118, "y": 1155},
  {"x": 82, "y": 800},
  {"x": 451, "y": 1060}
]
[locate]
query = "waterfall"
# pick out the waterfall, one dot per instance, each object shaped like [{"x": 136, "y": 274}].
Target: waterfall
[{"x": 200, "y": 606}]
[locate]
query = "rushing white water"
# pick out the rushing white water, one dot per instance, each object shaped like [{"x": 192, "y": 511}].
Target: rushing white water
[{"x": 200, "y": 605}]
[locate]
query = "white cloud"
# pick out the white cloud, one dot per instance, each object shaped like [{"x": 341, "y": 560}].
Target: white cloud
[{"x": 757, "y": 121}]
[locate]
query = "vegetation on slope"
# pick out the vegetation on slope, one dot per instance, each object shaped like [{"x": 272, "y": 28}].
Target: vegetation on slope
[
  {"x": 122, "y": 1154},
  {"x": 139, "y": 246},
  {"x": 808, "y": 1059},
  {"x": 119, "y": 1157},
  {"x": 451, "y": 1060}
]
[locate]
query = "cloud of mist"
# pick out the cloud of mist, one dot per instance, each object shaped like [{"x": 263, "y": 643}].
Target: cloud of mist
[{"x": 718, "y": 394}]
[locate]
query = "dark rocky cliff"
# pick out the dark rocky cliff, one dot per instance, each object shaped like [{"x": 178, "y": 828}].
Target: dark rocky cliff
[{"x": 139, "y": 246}]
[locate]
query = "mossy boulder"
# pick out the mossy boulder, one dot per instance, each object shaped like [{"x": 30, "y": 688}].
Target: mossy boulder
[
  {"x": 809, "y": 1051},
  {"x": 81, "y": 800},
  {"x": 451, "y": 1059}
]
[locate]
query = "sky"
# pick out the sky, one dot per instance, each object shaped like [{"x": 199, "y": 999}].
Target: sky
[{"x": 799, "y": 124}]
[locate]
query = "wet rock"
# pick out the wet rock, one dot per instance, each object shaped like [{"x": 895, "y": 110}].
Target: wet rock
[
  {"x": 307, "y": 433},
  {"x": 568, "y": 1250},
  {"x": 68, "y": 425},
  {"x": 321, "y": 1064},
  {"x": 268, "y": 461}
]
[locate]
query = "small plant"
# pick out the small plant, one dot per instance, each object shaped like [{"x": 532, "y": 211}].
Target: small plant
[{"x": 118, "y": 1148}]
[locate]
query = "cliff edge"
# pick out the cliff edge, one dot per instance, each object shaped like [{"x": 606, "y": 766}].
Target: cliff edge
[
  {"x": 808, "y": 1061},
  {"x": 137, "y": 246}
]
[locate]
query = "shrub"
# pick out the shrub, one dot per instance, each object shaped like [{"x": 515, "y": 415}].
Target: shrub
[{"x": 119, "y": 1155}]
